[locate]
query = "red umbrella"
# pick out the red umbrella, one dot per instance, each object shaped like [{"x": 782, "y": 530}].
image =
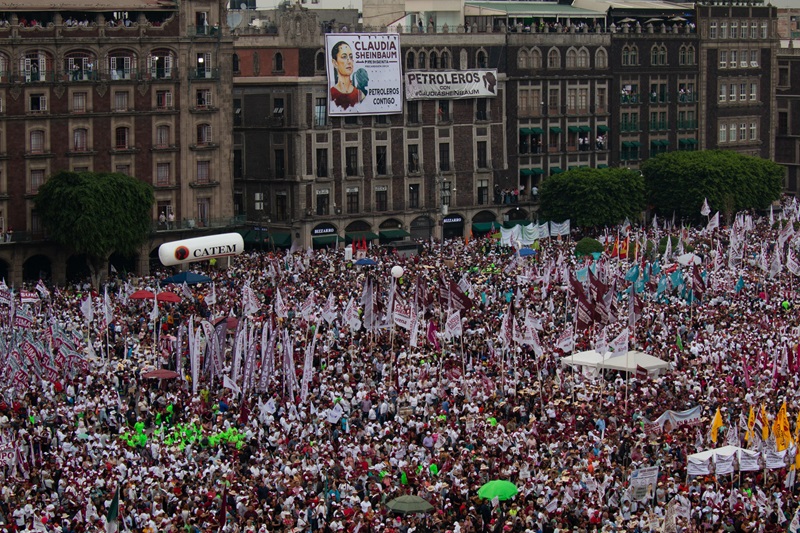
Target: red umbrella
[
  {"x": 142, "y": 295},
  {"x": 167, "y": 296},
  {"x": 161, "y": 373}
]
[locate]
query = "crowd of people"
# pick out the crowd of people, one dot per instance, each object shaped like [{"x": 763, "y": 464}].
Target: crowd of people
[{"x": 318, "y": 416}]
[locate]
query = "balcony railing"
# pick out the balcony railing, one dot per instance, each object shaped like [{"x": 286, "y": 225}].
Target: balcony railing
[
  {"x": 687, "y": 124},
  {"x": 204, "y": 31},
  {"x": 194, "y": 223},
  {"x": 658, "y": 126},
  {"x": 629, "y": 126},
  {"x": 629, "y": 99},
  {"x": 204, "y": 74}
]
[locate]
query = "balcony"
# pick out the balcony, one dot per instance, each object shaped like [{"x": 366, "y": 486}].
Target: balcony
[
  {"x": 165, "y": 148},
  {"x": 353, "y": 171},
  {"x": 191, "y": 223},
  {"x": 203, "y": 146},
  {"x": 203, "y": 184},
  {"x": 687, "y": 98},
  {"x": 414, "y": 168},
  {"x": 687, "y": 124},
  {"x": 629, "y": 99},
  {"x": 484, "y": 165},
  {"x": 629, "y": 126},
  {"x": 204, "y": 74},
  {"x": 659, "y": 99},
  {"x": 658, "y": 126},
  {"x": 204, "y": 31},
  {"x": 447, "y": 166}
]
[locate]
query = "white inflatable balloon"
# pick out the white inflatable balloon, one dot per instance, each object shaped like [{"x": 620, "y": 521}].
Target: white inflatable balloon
[{"x": 200, "y": 249}]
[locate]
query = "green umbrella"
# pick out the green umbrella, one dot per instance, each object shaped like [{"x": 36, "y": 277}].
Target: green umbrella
[
  {"x": 500, "y": 489},
  {"x": 409, "y": 504}
]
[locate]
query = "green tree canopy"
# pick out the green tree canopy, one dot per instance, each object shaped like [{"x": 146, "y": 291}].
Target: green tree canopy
[
  {"x": 96, "y": 213},
  {"x": 679, "y": 181},
  {"x": 593, "y": 197}
]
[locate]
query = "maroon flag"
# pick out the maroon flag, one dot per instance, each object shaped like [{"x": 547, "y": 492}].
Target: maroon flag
[
  {"x": 641, "y": 373},
  {"x": 584, "y": 313},
  {"x": 575, "y": 286},
  {"x": 432, "y": 330},
  {"x": 422, "y": 295},
  {"x": 451, "y": 296},
  {"x": 223, "y": 509},
  {"x": 698, "y": 284},
  {"x": 596, "y": 287}
]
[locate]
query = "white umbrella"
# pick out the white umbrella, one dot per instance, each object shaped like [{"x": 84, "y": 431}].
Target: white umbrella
[{"x": 689, "y": 259}]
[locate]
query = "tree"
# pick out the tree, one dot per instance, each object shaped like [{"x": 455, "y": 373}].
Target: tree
[
  {"x": 593, "y": 197},
  {"x": 96, "y": 214},
  {"x": 679, "y": 181}
]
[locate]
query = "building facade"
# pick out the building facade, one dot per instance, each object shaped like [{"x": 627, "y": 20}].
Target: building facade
[
  {"x": 576, "y": 87},
  {"x": 140, "y": 87}
]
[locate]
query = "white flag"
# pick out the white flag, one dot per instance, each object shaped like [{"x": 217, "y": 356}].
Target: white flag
[
  {"x": 452, "y": 328},
  {"x": 566, "y": 341},
  {"x": 211, "y": 298},
  {"x": 601, "y": 346},
  {"x": 705, "y": 210},
  {"x": 154, "y": 312},
  {"x": 228, "y": 383},
  {"x": 280, "y": 308},
  {"x": 620, "y": 344},
  {"x": 87, "y": 309},
  {"x": 713, "y": 223}
]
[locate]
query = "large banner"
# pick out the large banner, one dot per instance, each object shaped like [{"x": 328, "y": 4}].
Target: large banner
[
  {"x": 364, "y": 76},
  {"x": 643, "y": 483},
  {"x": 451, "y": 84}
]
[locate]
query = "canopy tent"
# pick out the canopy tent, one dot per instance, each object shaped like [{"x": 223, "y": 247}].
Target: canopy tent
[
  {"x": 721, "y": 461},
  {"x": 592, "y": 362}
]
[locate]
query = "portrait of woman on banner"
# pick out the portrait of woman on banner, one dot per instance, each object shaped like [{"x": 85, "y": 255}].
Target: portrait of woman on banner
[{"x": 349, "y": 88}]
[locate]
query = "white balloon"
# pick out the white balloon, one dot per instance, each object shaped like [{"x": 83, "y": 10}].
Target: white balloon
[{"x": 397, "y": 271}]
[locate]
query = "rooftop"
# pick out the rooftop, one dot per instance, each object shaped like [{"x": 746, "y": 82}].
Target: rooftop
[{"x": 88, "y": 5}]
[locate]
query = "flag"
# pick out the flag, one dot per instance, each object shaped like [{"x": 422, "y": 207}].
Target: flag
[
  {"x": 764, "y": 424},
  {"x": 705, "y": 210},
  {"x": 113, "y": 512},
  {"x": 566, "y": 341},
  {"x": 42, "y": 290},
  {"x": 739, "y": 284},
  {"x": 619, "y": 345},
  {"x": 780, "y": 427},
  {"x": 452, "y": 327},
  {"x": 87, "y": 309},
  {"x": 679, "y": 341},
  {"x": 431, "y": 335},
  {"x": 211, "y": 298},
  {"x": 716, "y": 423},
  {"x": 154, "y": 312},
  {"x": 751, "y": 422}
]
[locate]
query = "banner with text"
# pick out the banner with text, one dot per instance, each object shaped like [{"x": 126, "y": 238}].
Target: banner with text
[
  {"x": 451, "y": 84},
  {"x": 364, "y": 76}
]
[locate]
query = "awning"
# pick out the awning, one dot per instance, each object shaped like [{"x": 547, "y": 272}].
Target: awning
[
  {"x": 281, "y": 238},
  {"x": 324, "y": 240},
  {"x": 536, "y": 131},
  {"x": 602, "y": 165},
  {"x": 359, "y": 235},
  {"x": 688, "y": 141},
  {"x": 556, "y": 170},
  {"x": 482, "y": 11},
  {"x": 631, "y": 144},
  {"x": 483, "y": 227},
  {"x": 393, "y": 234},
  {"x": 573, "y": 129},
  {"x": 573, "y": 167},
  {"x": 555, "y": 129},
  {"x": 526, "y": 172},
  {"x": 602, "y": 128},
  {"x": 584, "y": 129},
  {"x": 525, "y": 131},
  {"x": 537, "y": 171}
]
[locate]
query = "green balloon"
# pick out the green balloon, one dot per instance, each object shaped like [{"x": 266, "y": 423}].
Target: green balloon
[
  {"x": 434, "y": 469},
  {"x": 493, "y": 421}
]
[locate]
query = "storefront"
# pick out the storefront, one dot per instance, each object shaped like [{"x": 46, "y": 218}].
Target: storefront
[
  {"x": 325, "y": 234},
  {"x": 453, "y": 226}
]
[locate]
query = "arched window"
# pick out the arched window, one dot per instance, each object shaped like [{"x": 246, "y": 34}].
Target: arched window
[
  {"x": 601, "y": 59},
  {"x": 444, "y": 61},
  {"x": 662, "y": 55},
  {"x": 278, "y": 62},
  {"x": 160, "y": 64},
  {"x": 626, "y": 56},
  {"x": 434, "y": 60},
  {"x": 482, "y": 60},
  {"x": 409, "y": 60},
  {"x": 236, "y": 62},
  {"x": 536, "y": 58},
  {"x": 121, "y": 140},
  {"x": 162, "y": 136},
  {"x": 654, "y": 55},
  {"x": 522, "y": 58},
  {"x": 553, "y": 58},
  {"x": 572, "y": 58},
  {"x": 583, "y": 58},
  {"x": 319, "y": 61},
  {"x": 690, "y": 55},
  {"x": 421, "y": 60},
  {"x": 77, "y": 65},
  {"x": 634, "y": 55}
]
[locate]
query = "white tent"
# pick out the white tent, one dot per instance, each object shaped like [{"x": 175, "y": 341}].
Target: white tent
[
  {"x": 634, "y": 359},
  {"x": 592, "y": 362},
  {"x": 700, "y": 464}
]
